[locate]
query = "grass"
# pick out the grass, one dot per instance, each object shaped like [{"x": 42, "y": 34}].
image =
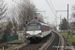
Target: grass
[
  {"x": 72, "y": 39},
  {"x": 14, "y": 41},
  {"x": 64, "y": 34},
  {"x": 8, "y": 48}
]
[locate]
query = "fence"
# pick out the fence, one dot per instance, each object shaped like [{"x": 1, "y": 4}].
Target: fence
[{"x": 10, "y": 38}]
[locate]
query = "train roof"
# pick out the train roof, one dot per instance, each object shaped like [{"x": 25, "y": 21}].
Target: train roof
[{"x": 38, "y": 22}]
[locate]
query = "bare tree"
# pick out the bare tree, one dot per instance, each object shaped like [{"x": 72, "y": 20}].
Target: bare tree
[
  {"x": 13, "y": 14},
  {"x": 40, "y": 18},
  {"x": 26, "y": 11},
  {"x": 2, "y": 9},
  {"x": 72, "y": 24}
]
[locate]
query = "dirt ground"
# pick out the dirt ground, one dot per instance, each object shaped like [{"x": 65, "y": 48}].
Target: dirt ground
[{"x": 3, "y": 44}]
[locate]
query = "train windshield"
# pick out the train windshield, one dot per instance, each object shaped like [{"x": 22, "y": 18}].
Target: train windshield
[{"x": 33, "y": 26}]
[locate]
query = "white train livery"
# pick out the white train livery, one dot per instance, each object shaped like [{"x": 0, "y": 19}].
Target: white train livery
[{"x": 37, "y": 30}]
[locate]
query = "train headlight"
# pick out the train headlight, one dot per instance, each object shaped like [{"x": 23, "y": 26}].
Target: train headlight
[
  {"x": 27, "y": 34},
  {"x": 39, "y": 33}
]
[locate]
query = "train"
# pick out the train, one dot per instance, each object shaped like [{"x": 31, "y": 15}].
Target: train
[{"x": 37, "y": 30}]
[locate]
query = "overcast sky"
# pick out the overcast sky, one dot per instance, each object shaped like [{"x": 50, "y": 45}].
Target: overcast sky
[
  {"x": 57, "y": 4},
  {"x": 42, "y": 5}
]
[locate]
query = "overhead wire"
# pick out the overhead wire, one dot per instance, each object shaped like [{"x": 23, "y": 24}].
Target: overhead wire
[
  {"x": 52, "y": 5},
  {"x": 51, "y": 8}
]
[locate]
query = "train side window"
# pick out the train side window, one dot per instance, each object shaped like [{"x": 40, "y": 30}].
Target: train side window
[
  {"x": 46, "y": 28},
  {"x": 43, "y": 28}
]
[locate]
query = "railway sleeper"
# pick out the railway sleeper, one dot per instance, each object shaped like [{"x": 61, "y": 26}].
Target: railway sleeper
[{"x": 35, "y": 39}]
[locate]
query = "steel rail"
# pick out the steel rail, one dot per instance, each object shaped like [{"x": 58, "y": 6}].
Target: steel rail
[
  {"x": 58, "y": 44},
  {"x": 50, "y": 43}
]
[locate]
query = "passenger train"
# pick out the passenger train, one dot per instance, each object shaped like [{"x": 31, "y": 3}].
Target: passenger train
[{"x": 37, "y": 30}]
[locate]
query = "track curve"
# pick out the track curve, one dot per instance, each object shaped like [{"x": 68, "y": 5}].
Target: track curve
[
  {"x": 36, "y": 46},
  {"x": 54, "y": 45}
]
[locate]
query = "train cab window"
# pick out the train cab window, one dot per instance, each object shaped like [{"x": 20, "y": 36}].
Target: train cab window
[{"x": 33, "y": 26}]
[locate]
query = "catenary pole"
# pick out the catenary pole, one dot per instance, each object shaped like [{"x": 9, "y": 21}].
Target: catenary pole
[
  {"x": 60, "y": 23},
  {"x": 67, "y": 19}
]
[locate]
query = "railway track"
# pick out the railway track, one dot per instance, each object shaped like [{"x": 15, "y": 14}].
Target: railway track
[
  {"x": 54, "y": 45},
  {"x": 35, "y": 46}
]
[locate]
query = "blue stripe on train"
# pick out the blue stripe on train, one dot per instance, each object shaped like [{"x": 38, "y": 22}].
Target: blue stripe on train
[{"x": 41, "y": 27}]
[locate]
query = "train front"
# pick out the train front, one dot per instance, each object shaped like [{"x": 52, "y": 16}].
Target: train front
[{"x": 34, "y": 32}]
